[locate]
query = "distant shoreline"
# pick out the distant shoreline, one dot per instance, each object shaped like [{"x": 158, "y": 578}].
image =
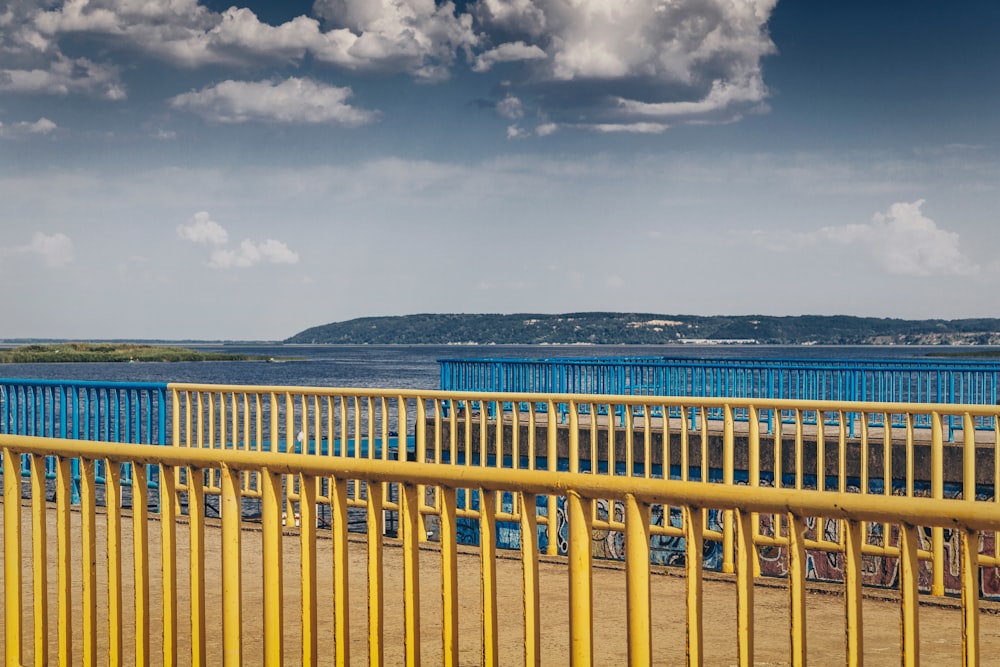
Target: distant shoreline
[
  {"x": 606, "y": 328},
  {"x": 74, "y": 352}
]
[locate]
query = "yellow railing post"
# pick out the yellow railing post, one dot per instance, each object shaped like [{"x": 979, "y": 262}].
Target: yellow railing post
[
  {"x": 551, "y": 458},
  {"x": 12, "y": 556},
  {"x": 375, "y": 610},
  {"x": 196, "y": 564},
  {"x": 140, "y": 564},
  {"x": 232, "y": 615},
  {"x": 937, "y": 491},
  {"x": 970, "y": 597},
  {"x": 753, "y": 472},
  {"x": 853, "y": 580},
  {"x": 273, "y": 613},
  {"x": 529, "y": 576},
  {"x": 488, "y": 576},
  {"x": 728, "y": 477},
  {"x": 310, "y": 585},
  {"x": 909, "y": 542},
  {"x": 88, "y": 559},
  {"x": 449, "y": 575},
  {"x": 579, "y": 512},
  {"x": 168, "y": 561},
  {"x": 39, "y": 552},
  {"x": 637, "y": 536},
  {"x": 745, "y": 563},
  {"x": 64, "y": 558},
  {"x": 341, "y": 581},
  {"x": 694, "y": 539},
  {"x": 113, "y": 503},
  {"x": 409, "y": 524},
  {"x": 797, "y": 588},
  {"x": 968, "y": 457},
  {"x": 420, "y": 447}
]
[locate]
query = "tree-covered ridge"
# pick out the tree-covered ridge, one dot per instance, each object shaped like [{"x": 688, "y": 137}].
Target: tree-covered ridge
[
  {"x": 81, "y": 352},
  {"x": 647, "y": 329}
]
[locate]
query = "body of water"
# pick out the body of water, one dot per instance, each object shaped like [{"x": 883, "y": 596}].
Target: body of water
[{"x": 413, "y": 366}]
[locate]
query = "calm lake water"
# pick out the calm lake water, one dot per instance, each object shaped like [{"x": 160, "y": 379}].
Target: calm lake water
[{"x": 411, "y": 367}]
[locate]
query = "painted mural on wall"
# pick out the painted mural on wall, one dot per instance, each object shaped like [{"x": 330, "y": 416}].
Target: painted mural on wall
[
  {"x": 882, "y": 571},
  {"x": 879, "y": 571}
]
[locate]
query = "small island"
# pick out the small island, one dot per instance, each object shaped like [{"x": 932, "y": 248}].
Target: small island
[{"x": 111, "y": 352}]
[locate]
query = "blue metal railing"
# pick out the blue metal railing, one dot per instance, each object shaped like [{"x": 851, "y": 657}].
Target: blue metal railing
[
  {"x": 882, "y": 381},
  {"x": 108, "y": 412}
]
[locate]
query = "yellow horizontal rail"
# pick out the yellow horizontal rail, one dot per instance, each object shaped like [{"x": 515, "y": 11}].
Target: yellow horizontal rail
[{"x": 848, "y": 506}]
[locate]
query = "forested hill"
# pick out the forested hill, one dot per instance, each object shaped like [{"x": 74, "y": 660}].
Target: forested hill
[{"x": 648, "y": 329}]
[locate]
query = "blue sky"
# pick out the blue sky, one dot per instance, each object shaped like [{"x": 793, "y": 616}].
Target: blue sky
[{"x": 175, "y": 169}]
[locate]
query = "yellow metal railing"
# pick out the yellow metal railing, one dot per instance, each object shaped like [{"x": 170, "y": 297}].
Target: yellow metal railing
[
  {"x": 95, "y": 622},
  {"x": 615, "y": 439},
  {"x": 809, "y": 446}
]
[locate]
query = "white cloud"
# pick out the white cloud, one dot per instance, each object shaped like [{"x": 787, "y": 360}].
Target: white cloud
[
  {"x": 202, "y": 229},
  {"x": 505, "y": 53},
  {"x": 588, "y": 64},
  {"x": 517, "y": 132},
  {"x": 415, "y": 36},
  {"x": 510, "y": 107},
  {"x": 517, "y": 16},
  {"x": 545, "y": 129},
  {"x": 23, "y": 129},
  {"x": 420, "y": 37},
  {"x": 293, "y": 100},
  {"x": 723, "y": 94},
  {"x": 634, "y": 128},
  {"x": 55, "y": 250},
  {"x": 64, "y": 76},
  {"x": 906, "y": 242},
  {"x": 249, "y": 253},
  {"x": 690, "y": 60}
]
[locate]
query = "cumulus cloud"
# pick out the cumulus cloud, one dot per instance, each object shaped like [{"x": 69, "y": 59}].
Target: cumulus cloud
[
  {"x": 55, "y": 250},
  {"x": 505, "y": 53},
  {"x": 420, "y": 37},
  {"x": 202, "y": 229},
  {"x": 293, "y": 100},
  {"x": 25, "y": 129},
  {"x": 689, "y": 60},
  {"x": 416, "y": 36},
  {"x": 64, "y": 76},
  {"x": 586, "y": 64},
  {"x": 906, "y": 242},
  {"x": 249, "y": 253}
]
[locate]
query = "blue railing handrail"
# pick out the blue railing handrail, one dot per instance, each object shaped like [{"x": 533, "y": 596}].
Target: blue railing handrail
[
  {"x": 765, "y": 379},
  {"x": 95, "y": 384}
]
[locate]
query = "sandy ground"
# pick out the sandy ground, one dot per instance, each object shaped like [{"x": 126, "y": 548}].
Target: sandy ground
[{"x": 940, "y": 621}]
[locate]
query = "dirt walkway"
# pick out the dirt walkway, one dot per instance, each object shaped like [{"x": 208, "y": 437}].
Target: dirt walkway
[{"x": 940, "y": 623}]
